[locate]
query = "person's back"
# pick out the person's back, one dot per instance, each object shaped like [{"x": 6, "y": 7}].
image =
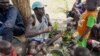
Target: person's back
[{"x": 80, "y": 51}]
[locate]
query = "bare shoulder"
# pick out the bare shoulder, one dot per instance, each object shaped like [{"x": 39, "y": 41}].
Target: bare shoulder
[{"x": 31, "y": 20}]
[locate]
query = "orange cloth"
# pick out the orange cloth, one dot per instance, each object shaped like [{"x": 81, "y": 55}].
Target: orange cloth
[
  {"x": 83, "y": 23},
  {"x": 13, "y": 53}
]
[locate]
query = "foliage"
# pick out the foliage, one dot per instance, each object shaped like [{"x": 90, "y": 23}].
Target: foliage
[
  {"x": 67, "y": 36},
  {"x": 55, "y": 26}
]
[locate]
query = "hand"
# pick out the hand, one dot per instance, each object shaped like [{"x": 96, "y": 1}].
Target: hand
[
  {"x": 97, "y": 25},
  {"x": 95, "y": 43},
  {"x": 47, "y": 29},
  {"x": 1, "y": 22}
]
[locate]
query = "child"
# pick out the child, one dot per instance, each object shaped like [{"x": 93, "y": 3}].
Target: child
[
  {"x": 80, "y": 51},
  {"x": 6, "y": 49},
  {"x": 87, "y": 21}
]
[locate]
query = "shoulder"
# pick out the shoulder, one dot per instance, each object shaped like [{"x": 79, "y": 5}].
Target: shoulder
[
  {"x": 93, "y": 13},
  {"x": 33, "y": 19},
  {"x": 12, "y": 7}
]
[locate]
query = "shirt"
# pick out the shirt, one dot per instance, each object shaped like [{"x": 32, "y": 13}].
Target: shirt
[
  {"x": 11, "y": 18},
  {"x": 88, "y": 20}
]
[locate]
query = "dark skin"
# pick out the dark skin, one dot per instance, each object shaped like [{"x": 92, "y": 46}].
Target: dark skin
[
  {"x": 79, "y": 51},
  {"x": 30, "y": 32},
  {"x": 5, "y": 47},
  {"x": 39, "y": 13},
  {"x": 4, "y": 4}
]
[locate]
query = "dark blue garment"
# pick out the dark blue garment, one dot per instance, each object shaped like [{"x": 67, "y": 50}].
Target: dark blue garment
[
  {"x": 81, "y": 7},
  {"x": 12, "y": 23}
]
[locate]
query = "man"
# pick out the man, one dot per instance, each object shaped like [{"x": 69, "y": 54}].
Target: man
[
  {"x": 38, "y": 28},
  {"x": 10, "y": 21}
]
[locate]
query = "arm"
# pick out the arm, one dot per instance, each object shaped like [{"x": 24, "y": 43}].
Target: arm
[
  {"x": 30, "y": 32},
  {"x": 49, "y": 29},
  {"x": 49, "y": 23},
  {"x": 19, "y": 28},
  {"x": 11, "y": 17}
]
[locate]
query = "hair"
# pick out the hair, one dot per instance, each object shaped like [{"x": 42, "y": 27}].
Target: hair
[
  {"x": 80, "y": 51},
  {"x": 91, "y": 5},
  {"x": 79, "y": 1},
  {"x": 4, "y": 0},
  {"x": 5, "y": 47}
]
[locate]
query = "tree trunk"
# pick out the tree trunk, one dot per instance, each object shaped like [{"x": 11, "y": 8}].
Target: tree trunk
[{"x": 24, "y": 8}]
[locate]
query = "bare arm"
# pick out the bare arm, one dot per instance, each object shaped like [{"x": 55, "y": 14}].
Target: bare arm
[
  {"x": 49, "y": 29},
  {"x": 29, "y": 29},
  {"x": 30, "y": 32}
]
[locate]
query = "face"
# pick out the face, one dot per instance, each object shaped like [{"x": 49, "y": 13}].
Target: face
[
  {"x": 78, "y": 1},
  {"x": 8, "y": 49},
  {"x": 40, "y": 11},
  {"x": 6, "y": 52},
  {"x": 4, "y": 4}
]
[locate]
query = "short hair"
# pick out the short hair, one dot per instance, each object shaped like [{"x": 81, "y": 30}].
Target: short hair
[
  {"x": 4, "y": 0},
  {"x": 80, "y": 51},
  {"x": 5, "y": 47},
  {"x": 91, "y": 5}
]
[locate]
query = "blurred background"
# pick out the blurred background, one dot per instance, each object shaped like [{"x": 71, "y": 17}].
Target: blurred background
[{"x": 57, "y": 10}]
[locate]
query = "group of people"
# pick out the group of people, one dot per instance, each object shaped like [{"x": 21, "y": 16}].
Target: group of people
[
  {"x": 11, "y": 25},
  {"x": 86, "y": 32},
  {"x": 39, "y": 26}
]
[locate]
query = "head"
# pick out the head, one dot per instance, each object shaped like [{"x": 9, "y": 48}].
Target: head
[
  {"x": 78, "y": 1},
  {"x": 4, "y": 4},
  {"x": 38, "y": 8},
  {"x": 5, "y": 47},
  {"x": 80, "y": 51},
  {"x": 91, "y": 5}
]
